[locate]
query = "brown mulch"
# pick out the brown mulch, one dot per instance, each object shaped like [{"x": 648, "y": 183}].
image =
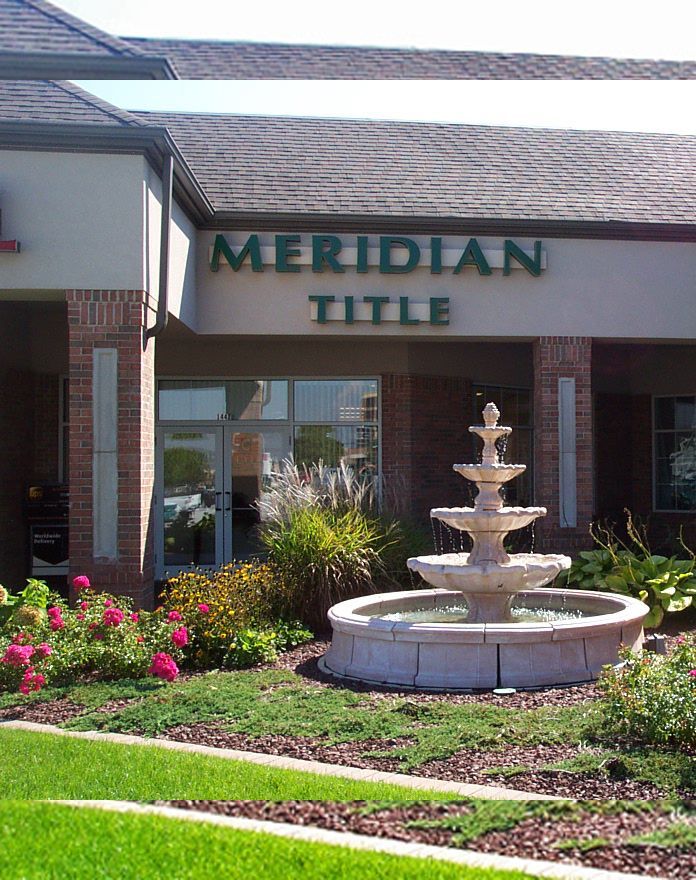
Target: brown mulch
[
  {"x": 535, "y": 837},
  {"x": 43, "y": 712}
]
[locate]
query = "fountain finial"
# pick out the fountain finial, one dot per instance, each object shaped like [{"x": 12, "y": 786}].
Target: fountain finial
[{"x": 491, "y": 414}]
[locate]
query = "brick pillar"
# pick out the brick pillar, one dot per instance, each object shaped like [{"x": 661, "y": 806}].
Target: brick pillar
[
  {"x": 556, "y": 358},
  {"x": 112, "y": 320},
  {"x": 424, "y": 432}
]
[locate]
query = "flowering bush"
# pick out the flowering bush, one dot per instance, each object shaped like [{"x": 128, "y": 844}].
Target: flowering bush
[
  {"x": 652, "y": 698},
  {"x": 232, "y": 616},
  {"x": 101, "y": 638}
]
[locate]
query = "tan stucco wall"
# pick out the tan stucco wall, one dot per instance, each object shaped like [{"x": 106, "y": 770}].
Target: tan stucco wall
[{"x": 622, "y": 289}]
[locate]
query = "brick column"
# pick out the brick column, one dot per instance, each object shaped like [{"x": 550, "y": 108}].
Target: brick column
[
  {"x": 556, "y": 358},
  {"x": 112, "y": 320},
  {"x": 425, "y": 423}
]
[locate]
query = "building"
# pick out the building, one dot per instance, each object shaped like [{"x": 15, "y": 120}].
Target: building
[
  {"x": 336, "y": 288},
  {"x": 39, "y": 40}
]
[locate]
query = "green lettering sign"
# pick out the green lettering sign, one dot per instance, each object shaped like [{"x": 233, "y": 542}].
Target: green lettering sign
[
  {"x": 324, "y": 250},
  {"x": 361, "y": 263},
  {"x": 472, "y": 255},
  {"x": 284, "y": 252},
  {"x": 531, "y": 264},
  {"x": 403, "y": 312},
  {"x": 349, "y": 309},
  {"x": 321, "y": 302},
  {"x": 435, "y": 255},
  {"x": 386, "y": 243},
  {"x": 376, "y": 307},
  {"x": 222, "y": 249},
  {"x": 439, "y": 310}
]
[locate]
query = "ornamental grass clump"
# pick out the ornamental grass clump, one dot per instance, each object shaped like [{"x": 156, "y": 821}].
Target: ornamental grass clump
[
  {"x": 324, "y": 537},
  {"x": 651, "y": 699}
]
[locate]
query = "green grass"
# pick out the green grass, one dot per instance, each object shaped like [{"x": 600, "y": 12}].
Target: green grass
[
  {"x": 678, "y": 834},
  {"x": 53, "y": 842},
  {"x": 51, "y": 766},
  {"x": 258, "y": 702}
]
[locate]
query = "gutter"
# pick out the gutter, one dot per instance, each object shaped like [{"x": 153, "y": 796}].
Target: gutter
[{"x": 163, "y": 299}]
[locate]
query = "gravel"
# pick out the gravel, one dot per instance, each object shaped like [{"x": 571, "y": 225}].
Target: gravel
[{"x": 535, "y": 837}]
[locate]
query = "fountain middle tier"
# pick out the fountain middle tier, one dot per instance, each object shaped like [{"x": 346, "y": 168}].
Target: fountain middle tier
[
  {"x": 489, "y": 586},
  {"x": 488, "y": 528}
]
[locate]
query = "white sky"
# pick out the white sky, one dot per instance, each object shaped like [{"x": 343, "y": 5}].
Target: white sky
[{"x": 617, "y": 28}]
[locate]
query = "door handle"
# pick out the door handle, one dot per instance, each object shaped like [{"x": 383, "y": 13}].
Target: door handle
[
  {"x": 217, "y": 508},
  {"x": 228, "y": 505}
]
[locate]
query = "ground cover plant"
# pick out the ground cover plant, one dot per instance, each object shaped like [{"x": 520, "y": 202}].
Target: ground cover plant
[
  {"x": 59, "y": 841},
  {"x": 553, "y": 741},
  {"x": 641, "y": 837},
  {"x": 44, "y": 765}
]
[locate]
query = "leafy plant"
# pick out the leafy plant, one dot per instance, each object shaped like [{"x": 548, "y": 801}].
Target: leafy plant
[
  {"x": 652, "y": 698},
  {"x": 665, "y": 584}
]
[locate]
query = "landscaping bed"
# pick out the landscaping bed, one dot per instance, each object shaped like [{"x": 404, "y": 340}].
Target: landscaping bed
[
  {"x": 538, "y": 741},
  {"x": 654, "y": 839}
]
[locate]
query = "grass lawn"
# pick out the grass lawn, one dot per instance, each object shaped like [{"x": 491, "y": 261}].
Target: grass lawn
[
  {"x": 49, "y": 841},
  {"x": 43, "y": 765},
  {"x": 260, "y": 702}
]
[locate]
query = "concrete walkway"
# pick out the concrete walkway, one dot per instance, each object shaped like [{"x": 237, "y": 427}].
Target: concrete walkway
[
  {"x": 280, "y": 762},
  {"x": 469, "y": 858}
]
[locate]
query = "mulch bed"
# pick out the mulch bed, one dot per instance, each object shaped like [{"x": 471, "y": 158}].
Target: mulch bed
[
  {"x": 43, "y": 712},
  {"x": 535, "y": 837}
]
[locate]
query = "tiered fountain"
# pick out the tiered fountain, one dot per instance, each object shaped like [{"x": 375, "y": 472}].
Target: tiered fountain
[{"x": 488, "y": 625}]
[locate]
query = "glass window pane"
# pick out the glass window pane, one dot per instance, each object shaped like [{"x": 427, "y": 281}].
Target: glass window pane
[
  {"x": 355, "y": 444},
  {"x": 206, "y": 400},
  {"x": 664, "y": 413},
  {"x": 684, "y": 412},
  {"x": 336, "y": 400}
]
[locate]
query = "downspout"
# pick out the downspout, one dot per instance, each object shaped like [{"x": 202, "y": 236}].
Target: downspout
[{"x": 163, "y": 301}]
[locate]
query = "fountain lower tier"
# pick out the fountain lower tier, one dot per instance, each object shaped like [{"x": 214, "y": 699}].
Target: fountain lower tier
[
  {"x": 367, "y": 646},
  {"x": 489, "y": 586}
]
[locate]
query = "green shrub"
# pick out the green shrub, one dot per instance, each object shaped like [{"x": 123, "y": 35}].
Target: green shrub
[
  {"x": 664, "y": 584},
  {"x": 651, "y": 699},
  {"x": 323, "y": 532},
  {"x": 233, "y": 615}
]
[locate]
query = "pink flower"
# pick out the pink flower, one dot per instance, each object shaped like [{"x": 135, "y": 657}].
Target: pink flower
[
  {"x": 44, "y": 649},
  {"x": 135, "y": 617},
  {"x": 163, "y": 666},
  {"x": 17, "y": 655},
  {"x": 180, "y": 637},
  {"x": 55, "y": 618},
  {"x": 140, "y": 640},
  {"x": 31, "y": 681},
  {"x": 173, "y": 616},
  {"x": 203, "y": 608},
  {"x": 84, "y": 605},
  {"x": 113, "y": 616},
  {"x": 81, "y": 582},
  {"x": 98, "y": 637},
  {"x": 80, "y": 616},
  {"x": 108, "y": 603},
  {"x": 692, "y": 673}
]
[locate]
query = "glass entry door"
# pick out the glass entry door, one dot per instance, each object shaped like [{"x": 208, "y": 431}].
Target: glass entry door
[{"x": 209, "y": 480}]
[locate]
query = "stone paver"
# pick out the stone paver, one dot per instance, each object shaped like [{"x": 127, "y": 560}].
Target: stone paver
[{"x": 416, "y": 782}]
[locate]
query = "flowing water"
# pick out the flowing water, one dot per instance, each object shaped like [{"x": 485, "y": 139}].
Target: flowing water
[{"x": 458, "y": 613}]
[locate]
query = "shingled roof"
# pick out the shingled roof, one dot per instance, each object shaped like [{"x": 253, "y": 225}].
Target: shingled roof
[
  {"x": 343, "y": 167},
  {"x": 59, "y": 102},
  {"x": 211, "y": 59},
  {"x": 39, "y": 40}
]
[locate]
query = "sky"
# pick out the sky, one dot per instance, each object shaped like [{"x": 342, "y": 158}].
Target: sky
[{"x": 616, "y": 28}]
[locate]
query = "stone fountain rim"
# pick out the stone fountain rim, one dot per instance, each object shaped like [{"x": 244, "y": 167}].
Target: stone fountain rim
[
  {"x": 439, "y": 563},
  {"x": 488, "y": 514},
  {"x": 627, "y": 610}
]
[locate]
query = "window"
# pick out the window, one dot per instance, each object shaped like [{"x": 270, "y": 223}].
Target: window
[
  {"x": 515, "y": 405},
  {"x": 192, "y": 400},
  {"x": 674, "y": 420},
  {"x": 337, "y": 419}
]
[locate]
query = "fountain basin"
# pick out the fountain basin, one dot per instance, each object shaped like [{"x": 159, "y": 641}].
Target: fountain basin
[
  {"x": 453, "y": 571},
  {"x": 501, "y": 520},
  {"x": 470, "y": 656}
]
